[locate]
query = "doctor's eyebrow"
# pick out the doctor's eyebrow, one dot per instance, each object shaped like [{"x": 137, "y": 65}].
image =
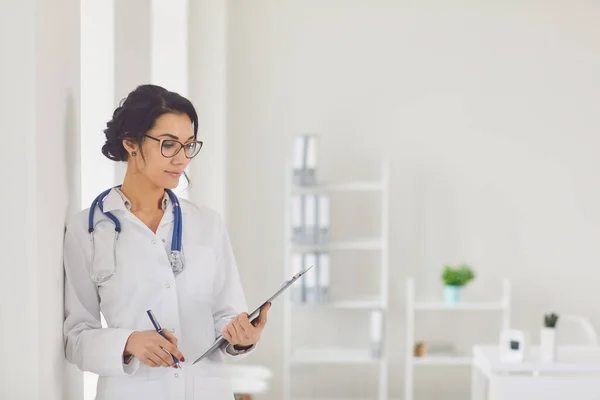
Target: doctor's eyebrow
[{"x": 175, "y": 137}]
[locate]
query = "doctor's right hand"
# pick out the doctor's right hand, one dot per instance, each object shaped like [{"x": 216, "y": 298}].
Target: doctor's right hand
[{"x": 151, "y": 348}]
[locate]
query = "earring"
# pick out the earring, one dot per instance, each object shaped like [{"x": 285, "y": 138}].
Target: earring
[{"x": 133, "y": 153}]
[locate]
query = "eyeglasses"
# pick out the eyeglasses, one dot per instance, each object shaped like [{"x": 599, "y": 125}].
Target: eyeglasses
[{"x": 170, "y": 148}]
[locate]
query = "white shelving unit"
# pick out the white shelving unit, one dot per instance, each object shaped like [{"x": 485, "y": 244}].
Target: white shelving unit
[
  {"x": 501, "y": 306},
  {"x": 337, "y": 357},
  {"x": 360, "y": 244},
  {"x": 332, "y": 356}
]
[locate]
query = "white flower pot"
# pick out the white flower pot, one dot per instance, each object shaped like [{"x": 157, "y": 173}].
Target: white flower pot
[
  {"x": 547, "y": 344},
  {"x": 451, "y": 295}
]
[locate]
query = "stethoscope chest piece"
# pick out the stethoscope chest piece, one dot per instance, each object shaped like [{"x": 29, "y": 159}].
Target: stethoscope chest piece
[{"x": 177, "y": 261}]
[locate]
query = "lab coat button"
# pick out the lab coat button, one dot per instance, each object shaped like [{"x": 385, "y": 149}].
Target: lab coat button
[
  {"x": 176, "y": 375},
  {"x": 172, "y": 330},
  {"x": 153, "y": 241},
  {"x": 168, "y": 285}
]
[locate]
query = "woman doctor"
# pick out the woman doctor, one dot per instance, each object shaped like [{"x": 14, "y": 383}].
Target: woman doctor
[{"x": 140, "y": 248}]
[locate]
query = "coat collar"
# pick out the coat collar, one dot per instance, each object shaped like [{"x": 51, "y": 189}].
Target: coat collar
[{"x": 116, "y": 200}]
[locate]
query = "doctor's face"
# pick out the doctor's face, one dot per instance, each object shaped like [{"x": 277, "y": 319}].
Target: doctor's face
[{"x": 164, "y": 157}]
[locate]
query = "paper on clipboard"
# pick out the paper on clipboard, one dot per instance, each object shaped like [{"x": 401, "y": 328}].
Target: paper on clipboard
[{"x": 220, "y": 340}]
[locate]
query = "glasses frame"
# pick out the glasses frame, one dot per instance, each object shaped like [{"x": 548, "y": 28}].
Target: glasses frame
[{"x": 182, "y": 146}]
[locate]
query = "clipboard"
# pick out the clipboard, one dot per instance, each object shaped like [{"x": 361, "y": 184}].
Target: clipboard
[{"x": 286, "y": 284}]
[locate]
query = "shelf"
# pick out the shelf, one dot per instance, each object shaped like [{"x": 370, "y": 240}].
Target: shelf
[
  {"x": 339, "y": 398},
  {"x": 300, "y": 359},
  {"x": 359, "y": 304},
  {"x": 362, "y": 244},
  {"x": 466, "y": 306},
  {"x": 367, "y": 303},
  {"x": 332, "y": 356},
  {"x": 443, "y": 360},
  {"x": 365, "y": 186},
  {"x": 446, "y": 357}
]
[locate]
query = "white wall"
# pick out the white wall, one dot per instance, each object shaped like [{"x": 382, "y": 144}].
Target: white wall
[
  {"x": 40, "y": 179},
  {"x": 208, "y": 66},
  {"x": 132, "y": 46},
  {"x": 169, "y": 52},
  {"x": 488, "y": 112},
  {"x": 17, "y": 79},
  {"x": 97, "y": 95},
  {"x": 131, "y": 52},
  {"x": 169, "y": 44}
]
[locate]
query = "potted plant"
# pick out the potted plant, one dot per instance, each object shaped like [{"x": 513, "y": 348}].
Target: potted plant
[
  {"x": 548, "y": 338},
  {"x": 454, "y": 279}
]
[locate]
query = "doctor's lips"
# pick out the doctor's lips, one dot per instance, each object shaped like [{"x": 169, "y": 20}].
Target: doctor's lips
[{"x": 175, "y": 173}]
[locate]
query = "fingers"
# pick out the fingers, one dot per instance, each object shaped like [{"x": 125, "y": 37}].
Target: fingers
[
  {"x": 244, "y": 332},
  {"x": 156, "y": 359},
  {"x": 148, "y": 362},
  {"x": 245, "y": 326},
  {"x": 262, "y": 317},
  {"x": 236, "y": 331},
  {"x": 165, "y": 355},
  {"x": 241, "y": 331},
  {"x": 227, "y": 334},
  {"x": 154, "y": 350},
  {"x": 171, "y": 348},
  {"x": 170, "y": 337}
]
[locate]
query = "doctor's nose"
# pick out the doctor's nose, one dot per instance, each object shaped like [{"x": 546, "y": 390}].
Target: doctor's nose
[{"x": 180, "y": 159}]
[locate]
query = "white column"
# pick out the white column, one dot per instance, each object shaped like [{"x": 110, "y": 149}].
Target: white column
[
  {"x": 39, "y": 122},
  {"x": 169, "y": 44},
  {"x": 19, "y": 285},
  {"x": 97, "y": 95},
  {"x": 132, "y": 53},
  {"x": 97, "y": 106},
  {"x": 169, "y": 51},
  {"x": 208, "y": 49}
]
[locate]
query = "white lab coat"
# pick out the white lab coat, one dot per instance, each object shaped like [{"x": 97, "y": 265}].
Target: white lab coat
[{"x": 195, "y": 304}]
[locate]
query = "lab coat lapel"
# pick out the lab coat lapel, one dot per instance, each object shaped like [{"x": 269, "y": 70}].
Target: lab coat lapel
[{"x": 113, "y": 201}]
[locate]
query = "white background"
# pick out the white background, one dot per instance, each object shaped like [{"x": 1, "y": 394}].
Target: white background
[{"x": 489, "y": 114}]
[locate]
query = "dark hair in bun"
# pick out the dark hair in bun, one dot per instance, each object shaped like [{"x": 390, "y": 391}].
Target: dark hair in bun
[{"x": 136, "y": 115}]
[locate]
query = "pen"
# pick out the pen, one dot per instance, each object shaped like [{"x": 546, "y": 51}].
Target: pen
[{"x": 160, "y": 331}]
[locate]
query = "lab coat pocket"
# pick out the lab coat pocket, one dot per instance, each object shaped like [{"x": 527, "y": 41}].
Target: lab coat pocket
[
  {"x": 132, "y": 388},
  {"x": 199, "y": 273},
  {"x": 156, "y": 373}
]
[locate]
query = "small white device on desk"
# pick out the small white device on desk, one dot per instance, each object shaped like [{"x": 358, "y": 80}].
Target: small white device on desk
[{"x": 575, "y": 374}]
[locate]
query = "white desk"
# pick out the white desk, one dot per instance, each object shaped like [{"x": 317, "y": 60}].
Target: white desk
[{"x": 575, "y": 375}]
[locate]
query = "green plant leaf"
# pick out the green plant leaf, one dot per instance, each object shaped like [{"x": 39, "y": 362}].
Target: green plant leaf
[
  {"x": 550, "y": 320},
  {"x": 457, "y": 276}
]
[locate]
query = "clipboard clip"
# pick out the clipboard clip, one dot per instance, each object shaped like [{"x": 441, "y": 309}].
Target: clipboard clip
[
  {"x": 295, "y": 277},
  {"x": 299, "y": 274}
]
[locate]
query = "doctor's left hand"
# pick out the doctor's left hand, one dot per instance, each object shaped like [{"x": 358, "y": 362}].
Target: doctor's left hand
[{"x": 241, "y": 332}]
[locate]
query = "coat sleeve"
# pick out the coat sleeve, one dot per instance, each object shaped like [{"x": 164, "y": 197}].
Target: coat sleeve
[
  {"x": 87, "y": 344},
  {"x": 229, "y": 300}
]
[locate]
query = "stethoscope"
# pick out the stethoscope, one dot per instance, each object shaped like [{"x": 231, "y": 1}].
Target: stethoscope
[{"x": 175, "y": 257}]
